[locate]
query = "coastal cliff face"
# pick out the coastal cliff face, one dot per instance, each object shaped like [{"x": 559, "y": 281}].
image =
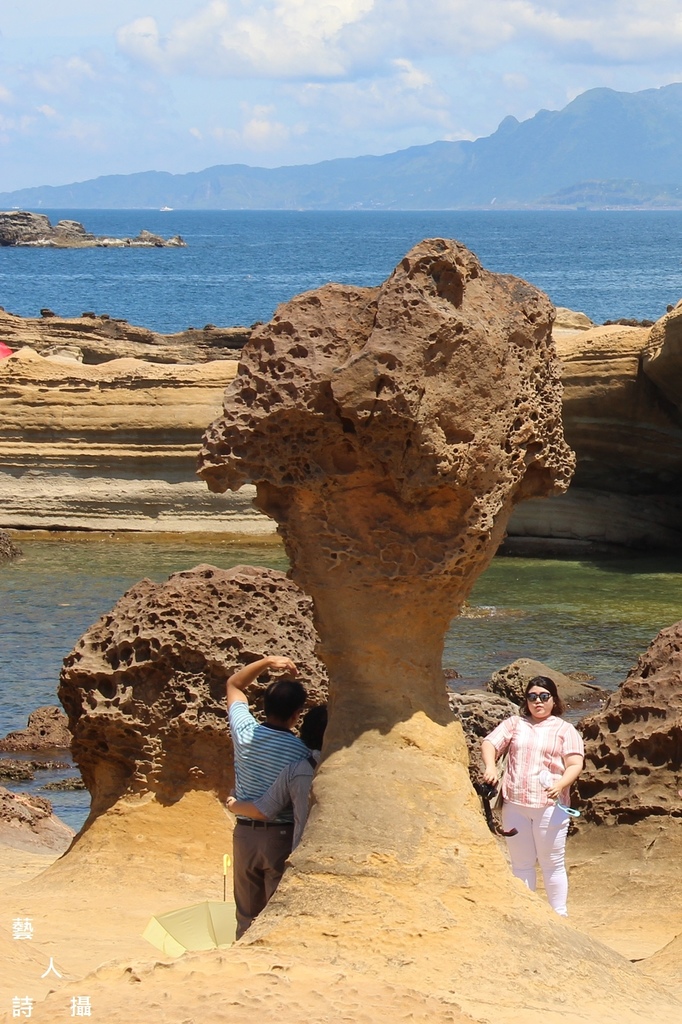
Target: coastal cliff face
[
  {"x": 111, "y": 446},
  {"x": 620, "y": 419}
]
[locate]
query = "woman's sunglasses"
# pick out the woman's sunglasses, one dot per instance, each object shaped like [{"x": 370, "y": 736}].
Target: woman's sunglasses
[{"x": 544, "y": 697}]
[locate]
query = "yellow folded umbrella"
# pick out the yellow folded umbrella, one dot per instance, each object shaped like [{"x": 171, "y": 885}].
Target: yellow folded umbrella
[{"x": 203, "y": 926}]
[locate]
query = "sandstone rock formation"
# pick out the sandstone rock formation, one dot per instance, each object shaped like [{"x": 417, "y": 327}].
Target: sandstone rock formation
[
  {"x": 8, "y": 549},
  {"x": 47, "y": 729},
  {"x": 389, "y": 432},
  {"x": 19, "y": 227},
  {"x": 570, "y": 320},
  {"x": 98, "y": 339},
  {"x": 27, "y": 822},
  {"x": 621, "y": 419},
  {"x": 478, "y": 714},
  {"x": 144, "y": 688},
  {"x": 511, "y": 682},
  {"x": 633, "y": 746},
  {"x": 111, "y": 447},
  {"x": 662, "y": 358}
]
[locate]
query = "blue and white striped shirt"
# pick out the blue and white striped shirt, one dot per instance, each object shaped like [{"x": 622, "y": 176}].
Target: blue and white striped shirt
[{"x": 260, "y": 753}]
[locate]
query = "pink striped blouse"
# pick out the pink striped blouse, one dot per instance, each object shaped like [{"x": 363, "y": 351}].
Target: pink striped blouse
[{"x": 531, "y": 747}]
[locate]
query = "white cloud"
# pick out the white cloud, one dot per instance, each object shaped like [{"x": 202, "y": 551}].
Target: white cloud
[
  {"x": 186, "y": 83},
  {"x": 262, "y": 131},
  {"x": 320, "y": 40},
  {"x": 272, "y": 38},
  {"x": 515, "y": 82},
  {"x": 68, "y": 74},
  {"x": 412, "y": 76}
]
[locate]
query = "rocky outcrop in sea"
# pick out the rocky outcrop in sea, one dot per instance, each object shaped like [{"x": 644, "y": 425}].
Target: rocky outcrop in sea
[
  {"x": 8, "y": 549},
  {"x": 19, "y": 227}
]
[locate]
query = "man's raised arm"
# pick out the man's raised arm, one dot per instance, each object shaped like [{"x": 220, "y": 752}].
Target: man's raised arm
[{"x": 240, "y": 679}]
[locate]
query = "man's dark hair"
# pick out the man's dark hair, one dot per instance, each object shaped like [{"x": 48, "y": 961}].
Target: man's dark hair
[
  {"x": 284, "y": 698},
  {"x": 312, "y": 727}
]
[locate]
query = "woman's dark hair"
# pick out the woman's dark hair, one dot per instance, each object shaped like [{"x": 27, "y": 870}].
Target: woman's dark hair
[
  {"x": 544, "y": 683},
  {"x": 312, "y": 727}
]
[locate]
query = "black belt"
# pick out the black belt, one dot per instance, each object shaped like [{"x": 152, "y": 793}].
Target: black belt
[{"x": 253, "y": 823}]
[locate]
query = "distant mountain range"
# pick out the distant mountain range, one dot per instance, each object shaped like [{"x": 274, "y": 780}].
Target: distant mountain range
[{"x": 606, "y": 149}]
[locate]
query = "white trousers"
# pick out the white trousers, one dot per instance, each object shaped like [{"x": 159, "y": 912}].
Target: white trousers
[{"x": 541, "y": 838}]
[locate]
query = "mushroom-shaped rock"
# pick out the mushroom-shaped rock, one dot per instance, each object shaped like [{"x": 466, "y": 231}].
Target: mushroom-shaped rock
[
  {"x": 633, "y": 746},
  {"x": 389, "y": 432},
  {"x": 144, "y": 688}
]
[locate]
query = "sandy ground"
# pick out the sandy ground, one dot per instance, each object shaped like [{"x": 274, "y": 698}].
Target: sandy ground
[{"x": 90, "y": 907}]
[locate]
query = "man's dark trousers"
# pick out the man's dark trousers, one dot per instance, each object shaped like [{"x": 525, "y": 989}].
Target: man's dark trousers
[{"x": 260, "y": 850}]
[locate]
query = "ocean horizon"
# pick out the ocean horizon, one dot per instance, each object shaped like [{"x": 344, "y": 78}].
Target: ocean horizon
[{"x": 239, "y": 265}]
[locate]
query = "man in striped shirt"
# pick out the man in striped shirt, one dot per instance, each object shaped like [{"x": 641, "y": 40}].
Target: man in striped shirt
[{"x": 261, "y": 750}]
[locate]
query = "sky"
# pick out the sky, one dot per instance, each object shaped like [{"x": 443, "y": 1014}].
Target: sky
[{"x": 91, "y": 87}]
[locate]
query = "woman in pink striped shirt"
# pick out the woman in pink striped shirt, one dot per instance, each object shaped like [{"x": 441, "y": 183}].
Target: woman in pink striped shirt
[{"x": 544, "y": 758}]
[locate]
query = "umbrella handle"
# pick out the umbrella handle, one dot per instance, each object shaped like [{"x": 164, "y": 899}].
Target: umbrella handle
[{"x": 227, "y": 861}]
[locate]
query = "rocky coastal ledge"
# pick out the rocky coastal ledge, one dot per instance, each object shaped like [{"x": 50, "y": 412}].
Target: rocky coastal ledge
[
  {"x": 92, "y": 338},
  {"x": 19, "y": 227},
  {"x": 112, "y": 446},
  {"x": 92, "y": 446}
]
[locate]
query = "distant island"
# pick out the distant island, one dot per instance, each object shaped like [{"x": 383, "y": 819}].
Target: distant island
[
  {"x": 604, "y": 150},
  {"x": 19, "y": 227}
]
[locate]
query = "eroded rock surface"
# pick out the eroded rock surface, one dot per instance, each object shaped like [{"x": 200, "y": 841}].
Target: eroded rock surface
[
  {"x": 111, "y": 446},
  {"x": 46, "y": 729},
  {"x": 621, "y": 409},
  {"x": 662, "y": 361},
  {"x": 96, "y": 339},
  {"x": 633, "y": 746},
  {"x": 144, "y": 688},
  {"x": 28, "y": 823},
  {"x": 511, "y": 682},
  {"x": 389, "y": 432},
  {"x": 479, "y": 713}
]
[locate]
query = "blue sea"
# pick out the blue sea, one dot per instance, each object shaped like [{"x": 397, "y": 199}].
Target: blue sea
[
  {"x": 593, "y": 617},
  {"x": 238, "y": 266}
]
